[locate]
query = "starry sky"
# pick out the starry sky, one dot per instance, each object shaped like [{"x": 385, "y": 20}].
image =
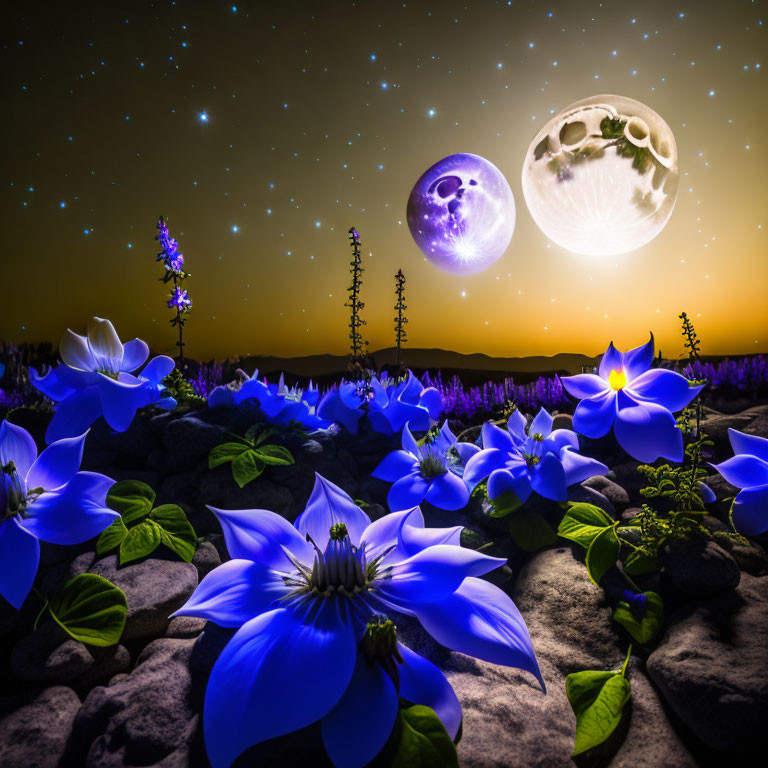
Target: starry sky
[{"x": 264, "y": 131}]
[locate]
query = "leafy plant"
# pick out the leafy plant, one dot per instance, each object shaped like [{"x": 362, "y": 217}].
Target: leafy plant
[
  {"x": 418, "y": 739},
  {"x": 250, "y": 456},
  {"x": 529, "y": 530},
  {"x": 178, "y": 387},
  {"x": 598, "y": 700},
  {"x": 142, "y": 528},
  {"x": 641, "y": 615},
  {"x": 356, "y": 322},
  {"x": 400, "y": 320},
  {"x": 90, "y": 609}
]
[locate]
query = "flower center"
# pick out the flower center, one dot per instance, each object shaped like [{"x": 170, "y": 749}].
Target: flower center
[
  {"x": 341, "y": 568},
  {"x": 617, "y": 379},
  {"x": 538, "y": 437},
  {"x": 431, "y": 466},
  {"x": 379, "y": 645},
  {"x": 14, "y": 491}
]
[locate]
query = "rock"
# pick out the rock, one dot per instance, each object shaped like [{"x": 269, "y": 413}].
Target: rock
[
  {"x": 154, "y": 589},
  {"x": 562, "y": 421},
  {"x": 205, "y": 559},
  {"x": 218, "y": 488},
  {"x": 189, "y": 440},
  {"x": 711, "y": 667},
  {"x": 612, "y": 491},
  {"x": 185, "y": 627},
  {"x": 52, "y": 577},
  {"x": 50, "y": 655},
  {"x": 34, "y": 728},
  {"x": 143, "y": 717},
  {"x": 589, "y": 495},
  {"x": 698, "y": 566},
  {"x": 753, "y": 421}
]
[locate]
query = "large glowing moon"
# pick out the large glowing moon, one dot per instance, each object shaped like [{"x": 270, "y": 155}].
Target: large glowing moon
[
  {"x": 461, "y": 213},
  {"x": 600, "y": 178}
]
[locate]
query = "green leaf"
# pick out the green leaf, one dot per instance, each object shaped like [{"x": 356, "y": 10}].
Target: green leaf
[
  {"x": 602, "y": 554},
  {"x": 420, "y": 740},
  {"x": 505, "y": 504},
  {"x": 90, "y": 609},
  {"x": 639, "y": 563},
  {"x": 141, "y": 540},
  {"x": 225, "y": 452},
  {"x": 274, "y": 454},
  {"x": 530, "y": 531},
  {"x": 246, "y": 467},
  {"x": 645, "y": 629},
  {"x": 597, "y": 700},
  {"x": 132, "y": 499},
  {"x": 583, "y": 522},
  {"x": 176, "y": 532},
  {"x": 111, "y": 536}
]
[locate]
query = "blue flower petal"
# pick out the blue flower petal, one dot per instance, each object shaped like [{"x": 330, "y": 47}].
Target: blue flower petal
[
  {"x": 134, "y": 354},
  {"x": 541, "y": 424},
  {"x": 516, "y": 425},
  {"x": 327, "y": 506},
  {"x": 448, "y": 491},
  {"x": 51, "y": 384},
  {"x": 18, "y": 446},
  {"x": 494, "y": 437},
  {"x": 466, "y": 451},
  {"x": 548, "y": 478},
  {"x": 647, "y": 431},
  {"x": 481, "y": 621},
  {"x": 662, "y": 387},
  {"x": 744, "y": 471},
  {"x": 120, "y": 399},
  {"x": 261, "y": 535},
  {"x": 750, "y": 511},
  {"x": 234, "y": 593},
  {"x": 221, "y": 397},
  {"x": 277, "y": 674},
  {"x": 516, "y": 480},
  {"x": 75, "y": 352},
  {"x": 157, "y": 369},
  {"x": 72, "y": 514},
  {"x": 421, "y": 682},
  {"x": 594, "y": 417},
  {"x": 584, "y": 385},
  {"x": 396, "y": 465},
  {"x": 612, "y": 360},
  {"x": 19, "y": 557},
  {"x": 74, "y": 414},
  {"x": 413, "y": 538},
  {"x": 407, "y": 492},
  {"x": 433, "y": 574},
  {"x": 751, "y": 444},
  {"x": 383, "y": 534},
  {"x": 563, "y": 438},
  {"x": 57, "y": 464},
  {"x": 432, "y": 400},
  {"x": 409, "y": 442},
  {"x": 707, "y": 494},
  {"x": 637, "y": 361},
  {"x": 578, "y": 467},
  {"x": 483, "y": 463},
  {"x": 332, "y": 409},
  {"x": 357, "y": 728}
]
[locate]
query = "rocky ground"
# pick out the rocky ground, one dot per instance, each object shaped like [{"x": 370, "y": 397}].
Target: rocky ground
[{"x": 700, "y": 698}]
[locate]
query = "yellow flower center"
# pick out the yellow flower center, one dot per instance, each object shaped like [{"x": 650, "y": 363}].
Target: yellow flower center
[{"x": 617, "y": 379}]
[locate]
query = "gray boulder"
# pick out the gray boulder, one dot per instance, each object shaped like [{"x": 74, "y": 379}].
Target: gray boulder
[
  {"x": 698, "y": 567},
  {"x": 711, "y": 667},
  {"x": 35, "y": 727}
]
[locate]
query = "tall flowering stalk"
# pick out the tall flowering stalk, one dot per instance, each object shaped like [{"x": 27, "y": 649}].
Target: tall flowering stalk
[
  {"x": 173, "y": 261},
  {"x": 401, "y": 319},
  {"x": 356, "y": 322}
]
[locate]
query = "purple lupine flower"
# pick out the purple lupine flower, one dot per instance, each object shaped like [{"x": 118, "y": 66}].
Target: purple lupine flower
[
  {"x": 95, "y": 380},
  {"x": 429, "y": 472},
  {"x": 747, "y": 469},
  {"x": 539, "y": 460},
  {"x": 637, "y": 401},
  {"x": 170, "y": 256},
  {"x": 179, "y": 300},
  {"x": 43, "y": 498},
  {"x": 308, "y": 599}
]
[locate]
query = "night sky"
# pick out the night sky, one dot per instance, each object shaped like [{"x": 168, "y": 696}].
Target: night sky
[{"x": 263, "y": 131}]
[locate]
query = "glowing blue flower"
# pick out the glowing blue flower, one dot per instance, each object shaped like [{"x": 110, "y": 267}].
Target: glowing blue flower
[
  {"x": 312, "y": 644},
  {"x": 636, "y": 400},
  {"x": 95, "y": 380},
  {"x": 540, "y": 460},
  {"x": 432, "y": 471},
  {"x": 748, "y": 469},
  {"x": 408, "y": 402},
  {"x": 43, "y": 498},
  {"x": 389, "y": 405},
  {"x": 281, "y": 405}
]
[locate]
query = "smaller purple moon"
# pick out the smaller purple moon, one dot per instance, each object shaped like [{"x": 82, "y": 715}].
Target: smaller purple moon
[{"x": 461, "y": 214}]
